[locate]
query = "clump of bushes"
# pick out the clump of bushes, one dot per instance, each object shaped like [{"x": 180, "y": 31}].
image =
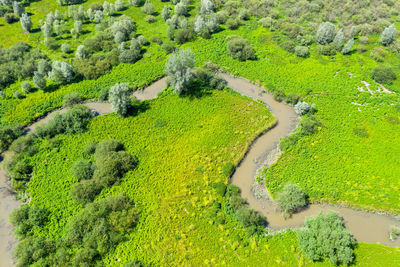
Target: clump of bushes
[
  {"x": 290, "y": 199},
  {"x": 302, "y": 108},
  {"x": 27, "y": 218},
  {"x": 8, "y": 134},
  {"x": 383, "y": 74},
  {"x": 112, "y": 162},
  {"x": 325, "y": 237},
  {"x": 71, "y": 99},
  {"x": 71, "y": 122},
  {"x": 239, "y": 48}
]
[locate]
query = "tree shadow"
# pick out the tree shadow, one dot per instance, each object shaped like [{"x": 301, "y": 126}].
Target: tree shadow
[
  {"x": 35, "y": 30},
  {"x": 51, "y": 88},
  {"x": 137, "y": 108},
  {"x": 196, "y": 89}
]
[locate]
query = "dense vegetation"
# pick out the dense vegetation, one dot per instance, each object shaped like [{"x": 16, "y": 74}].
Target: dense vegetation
[{"x": 319, "y": 56}]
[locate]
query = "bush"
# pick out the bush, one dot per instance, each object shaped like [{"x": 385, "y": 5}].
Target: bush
[
  {"x": 8, "y": 134},
  {"x": 106, "y": 147},
  {"x": 26, "y": 87},
  {"x": 309, "y": 125},
  {"x": 26, "y": 218},
  {"x": 301, "y": 51},
  {"x": 292, "y": 99},
  {"x": 240, "y": 48},
  {"x": 66, "y": 48},
  {"x": 168, "y": 47},
  {"x": 233, "y": 23},
  {"x": 82, "y": 170},
  {"x": 183, "y": 35},
  {"x": 10, "y": 18},
  {"x": 325, "y": 33},
  {"x": 302, "y": 108},
  {"x": 378, "y": 54},
  {"x": 85, "y": 191},
  {"x": 220, "y": 188},
  {"x": 383, "y": 74},
  {"x": 326, "y": 237},
  {"x": 96, "y": 66},
  {"x": 156, "y": 39},
  {"x": 327, "y": 50},
  {"x": 288, "y": 45},
  {"x": 103, "y": 96},
  {"x": 71, "y": 99},
  {"x": 18, "y": 95},
  {"x": 227, "y": 169},
  {"x": 290, "y": 199}
]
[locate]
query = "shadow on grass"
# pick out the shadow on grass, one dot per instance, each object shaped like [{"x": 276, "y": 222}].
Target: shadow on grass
[{"x": 137, "y": 108}]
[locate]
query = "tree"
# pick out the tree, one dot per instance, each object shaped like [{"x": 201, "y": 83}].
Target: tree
[
  {"x": 348, "y": 46},
  {"x": 290, "y": 199},
  {"x": 199, "y": 25},
  {"x": 212, "y": 22},
  {"x": 240, "y": 48},
  {"x": 325, "y": 33},
  {"x": 119, "y": 5},
  {"x": 18, "y": 8},
  {"x": 206, "y": 7},
  {"x": 119, "y": 98},
  {"x": 26, "y": 22},
  {"x": 326, "y": 237},
  {"x": 148, "y": 8},
  {"x": 43, "y": 67},
  {"x": 388, "y": 34},
  {"x": 179, "y": 69},
  {"x": 180, "y": 9},
  {"x": 78, "y": 26},
  {"x": 339, "y": 39},
  {"x": 165, "y": 13},
  {"x": 66, "y": 48},
  {"x": 81, "y": 52},
  {"x": 47, "y": 30},
  {"x": 61, "y": 72},
  {"x": 38, "y": 80}
]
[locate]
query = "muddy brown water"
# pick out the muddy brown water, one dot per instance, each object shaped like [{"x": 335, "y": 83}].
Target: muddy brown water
[{"x": 365, "y": 226}]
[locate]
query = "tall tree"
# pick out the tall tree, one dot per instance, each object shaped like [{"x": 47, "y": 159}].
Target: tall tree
[
  {"x": 26, "y": 22},
  {"x": 388, "y": 34},
  {"x": 325, "y": 33},
  {"x": 179, "y": 69},
  {"x": 119, "y": 98}
]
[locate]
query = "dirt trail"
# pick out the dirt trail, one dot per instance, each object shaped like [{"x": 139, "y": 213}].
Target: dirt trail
[{"x": 366, "y": 227}]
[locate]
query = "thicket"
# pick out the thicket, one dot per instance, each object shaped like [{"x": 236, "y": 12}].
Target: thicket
[
  {"x": 383, "y": 74},
  {"x": 325, "y": 237},
  {"x": 90, "y": 234},
  {"x": 240, "y": 48},
  {"x": 111, "y": 164},
  {"x": 8, "y": 134}
]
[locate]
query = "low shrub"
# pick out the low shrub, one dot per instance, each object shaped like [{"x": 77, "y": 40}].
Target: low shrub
[
  {"x": 290, "y": 199},
  {"x": 288, "y": 45},
  {"x": 327, "y": 50},
  {"x": 83, "y": 170},
  {"x": 301, "y": 51},
  {"x": 220, "y": 188},
  {"x": 309, "y": 125},
  {"x": 8, "y": 134},
  {"x": 227, "y": 169},
  {"x": 378, "y": 54},
  {"x": 239, "y": 48},
  {"x": 26, "y": 218},
  {"x": 232, "y": 23},
  {"x": 383, "y": 74},
  {"x": 71, "y": 99}
]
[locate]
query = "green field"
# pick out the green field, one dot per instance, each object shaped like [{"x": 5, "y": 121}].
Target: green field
[{"x": 183, "y": 143}]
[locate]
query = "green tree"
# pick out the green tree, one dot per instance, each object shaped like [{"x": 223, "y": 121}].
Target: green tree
[
  {"x": 290, "y": 199},
  {"x": 26, "y": 22},
  {"x": 325, "y": 237},
  {"x": 119, "y": 98},
  {"x": 179, "y": 69},
  {"x": 325, "y": 33}
]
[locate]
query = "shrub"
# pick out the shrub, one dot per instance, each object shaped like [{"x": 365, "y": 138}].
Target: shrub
[
  {"x": 301, "y": 51},
  {"x": 81, "y": 52},
  {"x": 71, "y": 99},
  {"x": 327, "y": 50},
  {"x": 339, "y": 39},
  {"x": 38, "y": 80},
  {"x": 96, "y": 66},
  {"x": 148, "y": 8},
  {"x": 10, "y": 18},
  {"x": 220, "y": 188},
  {"x": 66, "y": 48},
  {"x": 82, "y": 170},
  {"x": 326, "y": 237},
  {"x": 227, "y": 169},
  {"x": 8, "y": 134},
  {"x": 26, "y": 87},
  {"x": 361, "y": 132},
  {"x": 302, "y": 108},
  {"x": 179, "y": 69},
  {"x": 156, "y": 39},
  {"x": 325, "y": 33},
  {"x": 233, "y": 23},
  {"x": 18, "y": 95},
  {"x": 183, "y": 35},
  {"x": 240, "y": 48},
  {"x": 309, "y": 125},
  {"x": 85, "y": 191},
  {"x": 91, "y": 148},
  {"x": 292, "y": 99},
  {"x": 119, "y": 98},
  {"x": 26, "y": 218},
  {"x": 378, "y": 54},
  {"x": 106, "y": 147},
  {"x": 61, "y": 72},
  {"x": 290, "y": 199},
  {"x": 348, "y": 46},
  {"x": 142, "y": 40},
  {"x": 168, "y": 47},
  {"x": 165, "y": 13},
  {"x": 26, "y": 22},
  {"x": 383, "y": 74},
  {"x": 103, "y": 96},
  {"x": 248, "y": 217},
  {"x": 288, "y": 45},
  {"x": 33, "y": 250}
]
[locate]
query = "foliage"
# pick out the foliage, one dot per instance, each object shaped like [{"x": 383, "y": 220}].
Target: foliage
[
  {"x": 26, "y": 22},
  {"x": 325, "y": 33},
  {"x": 95, "y": 66},
  {"x": 290, "y": 199},
  {"x": 8, "y": 134},
  {"x": 326, "y": 237},
  {"x": 240, "y": 48},
  {"x": 27, "y": 218},
  {"x": 119, "y": 98},
  {"x": 301, "y": 51},
  {"x": 61, "y": 72},
  {"x": 348, "y": 46},
  {"x": 302, "y": 108},
  {"x": 179, "y": 69},
  {"x": 83, "y": 170},
  {"x": 388, "y": 35},
  {"x": 383, "y": 74},
  {"x": 72, "y": 99}
]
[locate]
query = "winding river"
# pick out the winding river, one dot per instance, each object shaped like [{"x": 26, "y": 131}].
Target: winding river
[{"x": 365, "y": 226}]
